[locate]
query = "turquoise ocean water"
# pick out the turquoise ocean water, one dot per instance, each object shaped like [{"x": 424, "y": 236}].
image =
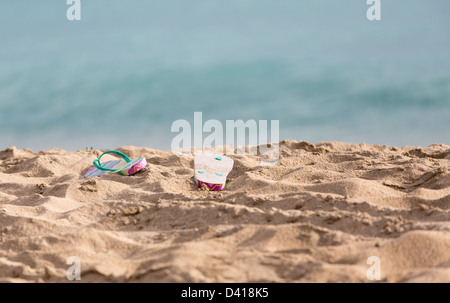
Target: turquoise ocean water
[{"x": 128, "y": 69}]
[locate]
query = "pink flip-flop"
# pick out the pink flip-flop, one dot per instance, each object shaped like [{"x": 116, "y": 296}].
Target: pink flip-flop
[
  {"x": 212, "y": 171},
  {"x": 125, "y": 167}
]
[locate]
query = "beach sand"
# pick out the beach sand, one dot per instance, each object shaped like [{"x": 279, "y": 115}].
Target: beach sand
[{"x": 316, "y": 216}]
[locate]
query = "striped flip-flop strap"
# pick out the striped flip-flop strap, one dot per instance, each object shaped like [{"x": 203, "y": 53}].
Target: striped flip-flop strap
[{"x": 98, "y": 164}]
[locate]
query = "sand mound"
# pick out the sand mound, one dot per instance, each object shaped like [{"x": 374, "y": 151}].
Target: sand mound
[{"x": 316, "y": 216}]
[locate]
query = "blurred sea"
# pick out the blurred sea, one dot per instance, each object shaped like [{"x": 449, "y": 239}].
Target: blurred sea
[{"x": 128, "y": 69}]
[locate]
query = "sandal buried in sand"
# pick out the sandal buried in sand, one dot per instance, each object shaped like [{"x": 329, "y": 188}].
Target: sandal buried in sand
[
  {"x": 125, "y": 167},
  {"x": 212, "y": 171}
]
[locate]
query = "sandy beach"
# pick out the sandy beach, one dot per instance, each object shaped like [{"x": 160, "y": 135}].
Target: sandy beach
[{"x": 316, "y": 216}]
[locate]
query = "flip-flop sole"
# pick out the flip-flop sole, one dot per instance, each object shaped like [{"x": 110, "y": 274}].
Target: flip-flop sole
[
  {"x": 212, "y": 171},
  {"x": 123, "y": 168}
]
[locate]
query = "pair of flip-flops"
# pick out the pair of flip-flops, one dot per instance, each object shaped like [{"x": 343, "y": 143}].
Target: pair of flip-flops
[{"x": 209, "y": 170}]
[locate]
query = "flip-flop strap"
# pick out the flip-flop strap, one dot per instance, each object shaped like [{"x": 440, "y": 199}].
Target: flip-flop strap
[{"x": 98, "y": 164}]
